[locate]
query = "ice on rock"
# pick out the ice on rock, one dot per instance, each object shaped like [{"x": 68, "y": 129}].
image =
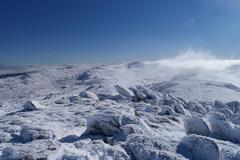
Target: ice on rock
[
  {"x": 222, "y": 129},
  {"x": 28, "y": 134},
  {"x": 196, "y": 107},
  {"x": 131, "y": 129},
  {"x": 237, "y": 156},
  {"x": 32, "y": 106},
  {"x": 227, "y": 154},
  {"x": 111, "y": 124},
  {"x": 219, "y": 104},
  {"x": 234, "y": 106},
  {"x": 196, "y": 125},
  {"x": 88, "y": 94},
  {"x": 144, "y": 147},
  {"x": 146, "y": 95},
  {"x": 122, "y": 91},
  {"x": 227, "y": 112},
  {"x": 178, "y": 108},
  {"x": 196, "y": 147},
  {"x": 139, "y": 94},
  {"x": 236, "y": 119},
  {"x": 166, "y": 110}
]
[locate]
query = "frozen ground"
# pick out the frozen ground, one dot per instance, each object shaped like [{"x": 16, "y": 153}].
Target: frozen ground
[{"x": 172, "y": 109}]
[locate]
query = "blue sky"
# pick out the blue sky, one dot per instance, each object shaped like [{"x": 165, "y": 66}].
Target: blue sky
[{"x": 106, "y": 31}]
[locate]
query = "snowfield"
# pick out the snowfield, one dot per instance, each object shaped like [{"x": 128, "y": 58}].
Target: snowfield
[{"x": 173, "y": 109}]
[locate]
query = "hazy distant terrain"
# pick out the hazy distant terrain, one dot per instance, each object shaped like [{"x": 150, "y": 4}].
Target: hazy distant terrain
[{"x": 187, "y": 107}]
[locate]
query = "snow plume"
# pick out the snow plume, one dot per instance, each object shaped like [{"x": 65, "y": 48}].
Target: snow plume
[{"x": 198, "y": 59}]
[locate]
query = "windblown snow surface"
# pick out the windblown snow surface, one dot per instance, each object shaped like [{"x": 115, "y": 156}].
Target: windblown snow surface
[{"x": 171, "y": 109}]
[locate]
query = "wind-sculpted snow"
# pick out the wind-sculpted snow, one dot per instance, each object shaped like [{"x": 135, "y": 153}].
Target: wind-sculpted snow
[{"x": 135, "y": 111}]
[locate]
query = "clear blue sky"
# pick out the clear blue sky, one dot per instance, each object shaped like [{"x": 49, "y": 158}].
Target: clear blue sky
[{"x": 90, "y": 31}]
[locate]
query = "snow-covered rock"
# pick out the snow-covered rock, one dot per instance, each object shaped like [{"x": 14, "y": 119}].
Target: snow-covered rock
[
  {"x": 32, "y": 150},
  {"x": 29, "y": 133},
  {"x": 122, "y": 91},
  {"x": 74, "y": 99},
  {"x": 88, "y": 94},
  {"x": 144, "y": 147},
  {"x": 227, "y": 154},
  {"x": 145, "y": 110},
  {"x": 112, "y": 124},
  {"x": 196, "y": 147},
  {"x": 32, "y": 106},
  {"x": 91, "y": 150},
  {"x": 234, "y": 106},
  {"x": 196, "y": 125},
  {"x": 5, "y": 137},
  {"x": 196, "y": 107}
]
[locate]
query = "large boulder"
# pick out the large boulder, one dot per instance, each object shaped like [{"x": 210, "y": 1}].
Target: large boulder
[
  {"x": 222, "y": 129},
  {"x": 196, "y": 147},
  {"x": 112, "y": 125},
  {"x": 196, "y": 125},
  {"x": 144, "y": 147}
]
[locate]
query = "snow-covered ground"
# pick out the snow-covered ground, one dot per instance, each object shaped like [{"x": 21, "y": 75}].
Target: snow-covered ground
[{"x": 173, "y": 109}]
